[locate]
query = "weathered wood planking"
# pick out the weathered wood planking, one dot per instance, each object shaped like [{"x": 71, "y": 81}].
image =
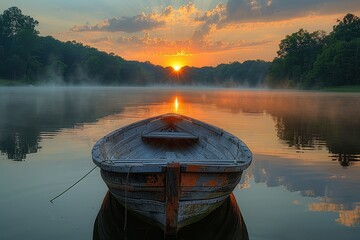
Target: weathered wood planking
[
  {"x": 169, "y": 135},
  {"x": 208, "y": 147},
  {"x": 172, "y": 169},
  {"x": 172, "y": 198}
]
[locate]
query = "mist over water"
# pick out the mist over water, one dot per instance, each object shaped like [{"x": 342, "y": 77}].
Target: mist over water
[
  {"x": 304, "y": 173},
  {"x": 302, "y": 121}
]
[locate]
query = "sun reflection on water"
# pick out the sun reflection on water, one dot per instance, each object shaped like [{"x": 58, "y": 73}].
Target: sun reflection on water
[{"x": 176, "y": 104}]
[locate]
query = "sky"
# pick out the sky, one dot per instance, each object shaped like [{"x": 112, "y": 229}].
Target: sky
[{"x": 193, "y": 33}]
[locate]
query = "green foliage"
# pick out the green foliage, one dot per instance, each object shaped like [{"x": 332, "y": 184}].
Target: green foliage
[
  {"x": 13, "y": 22},
  {"x": 28, "y": 58},
  {"x": 347, "y": 29},
  {"x": 296, "y": 56},
  {"x": 338, "y": 64},
  {"x": 316, "y": 60},
  {"x": 347, "y": 88},
  {"x": 305, "y": 60},
  {"x": 248, "y": 73}
]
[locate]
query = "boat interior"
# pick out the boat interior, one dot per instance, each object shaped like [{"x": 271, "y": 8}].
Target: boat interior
[{"x": 171, "y": 137}]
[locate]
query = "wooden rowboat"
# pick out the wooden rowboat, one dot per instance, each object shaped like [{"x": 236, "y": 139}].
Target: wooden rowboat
[{"x": 171, "y": 169}]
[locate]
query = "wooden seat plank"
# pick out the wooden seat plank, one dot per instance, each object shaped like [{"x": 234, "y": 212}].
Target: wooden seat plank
[{"x": 169, "y": 135}]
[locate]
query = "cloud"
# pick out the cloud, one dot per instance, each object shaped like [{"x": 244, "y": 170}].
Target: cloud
[
  {"x": 188, "y": 9},
  {"x": 236, "y": 27},
  {"x": 143, "y": 21},
  {"x": 101, "y": 39},
  {"x": 210, "y": 19},
  {"x": 129, "y": 46},
  {"x": 274, "y": 10},
  {"x": 156, "y": 45},
  {"x": 165, "y": 47},
  {"x": 250, "y": 11},
  {"x": 136, "y": 23},
  {"x": 181, "y": 53}
]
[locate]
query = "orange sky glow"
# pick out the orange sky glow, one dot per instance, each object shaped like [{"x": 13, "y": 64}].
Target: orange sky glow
[{"x": 184, "y": 33}]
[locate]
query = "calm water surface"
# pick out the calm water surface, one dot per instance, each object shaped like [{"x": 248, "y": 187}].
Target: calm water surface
[{"x": 304, "y": 182}]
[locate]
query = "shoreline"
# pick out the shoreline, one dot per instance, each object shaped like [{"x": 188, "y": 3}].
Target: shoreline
[{"x": 339, "y": 89}]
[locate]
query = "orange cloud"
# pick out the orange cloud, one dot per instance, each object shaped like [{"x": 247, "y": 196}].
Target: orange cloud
[
  {"x": 143, "y": 21},
  {"x": 199, "y": 37},
  {"x": 268, "y": 10},
  {"x": 136, "y": 23}
]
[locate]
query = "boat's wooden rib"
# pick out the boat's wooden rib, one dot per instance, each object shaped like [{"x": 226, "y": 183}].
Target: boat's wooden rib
[{"x": 144, "y": 162}]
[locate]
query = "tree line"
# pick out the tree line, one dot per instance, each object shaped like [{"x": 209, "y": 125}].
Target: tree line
[
  {"x": 304, "y": 60},
  {"x": 27, "y": 57},
  {"x": 317, "y": 60}
]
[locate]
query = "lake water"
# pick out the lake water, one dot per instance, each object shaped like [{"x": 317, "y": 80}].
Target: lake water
[{"x": 304, "y": 182}]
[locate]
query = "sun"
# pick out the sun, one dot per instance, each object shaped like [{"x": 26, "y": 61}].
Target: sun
[{"x": 176, "y": 68}]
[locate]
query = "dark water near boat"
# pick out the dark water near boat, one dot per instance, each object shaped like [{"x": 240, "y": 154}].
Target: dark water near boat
[
  {"x": 304, "y": 182},
  {"x": 224, "y": 223}
]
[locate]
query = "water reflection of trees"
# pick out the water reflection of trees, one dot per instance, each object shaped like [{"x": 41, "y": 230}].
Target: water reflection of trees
[
  {"x": 17, "y": 145},
  {"x": 334, "y": 126},
  {"x": 28, "y": 114},
  {"x": 306, "y": 121},
  {"x": 346, "y": 159},
  {"x": 303, "y": 121}
]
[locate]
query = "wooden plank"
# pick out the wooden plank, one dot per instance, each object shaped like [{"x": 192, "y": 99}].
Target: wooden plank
[
  {"x": 141, "y": 204},
  {"x": 170, "y": 155},
  {"x": 156, "y": 194},
  {"x": 216, "y": 142},
  {"x": 208, "y": 154},
  {"x": 169, "y": 135},
  {"x": 135, "y": 179},
  {"x": 153, "y": 126},
  {"x": 172, "y": 198},
  {"x": 215, "y": 136}
]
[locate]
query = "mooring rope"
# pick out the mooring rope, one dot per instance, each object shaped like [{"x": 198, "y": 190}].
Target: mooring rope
[
  {"x": 125, "y": 215},
  {"x": 52, "y": 200}
]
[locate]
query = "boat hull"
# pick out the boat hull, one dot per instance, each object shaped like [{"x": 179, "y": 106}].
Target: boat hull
[
  {"x": 225, "y": 223},
  {"x": 171, "y": 169},
  {"x": 146, "y": 194}
]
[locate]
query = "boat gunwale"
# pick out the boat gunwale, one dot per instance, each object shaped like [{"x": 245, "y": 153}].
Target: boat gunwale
[
  {"x": 156, "y": 168},
  {"x": 240, "y": 162}
]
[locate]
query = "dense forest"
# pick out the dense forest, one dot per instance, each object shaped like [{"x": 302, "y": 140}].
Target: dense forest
[
  {"x": 317, "y": 60},
  {"x": 29, "y": 58},
  {"x": 304, "y": 60}
]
